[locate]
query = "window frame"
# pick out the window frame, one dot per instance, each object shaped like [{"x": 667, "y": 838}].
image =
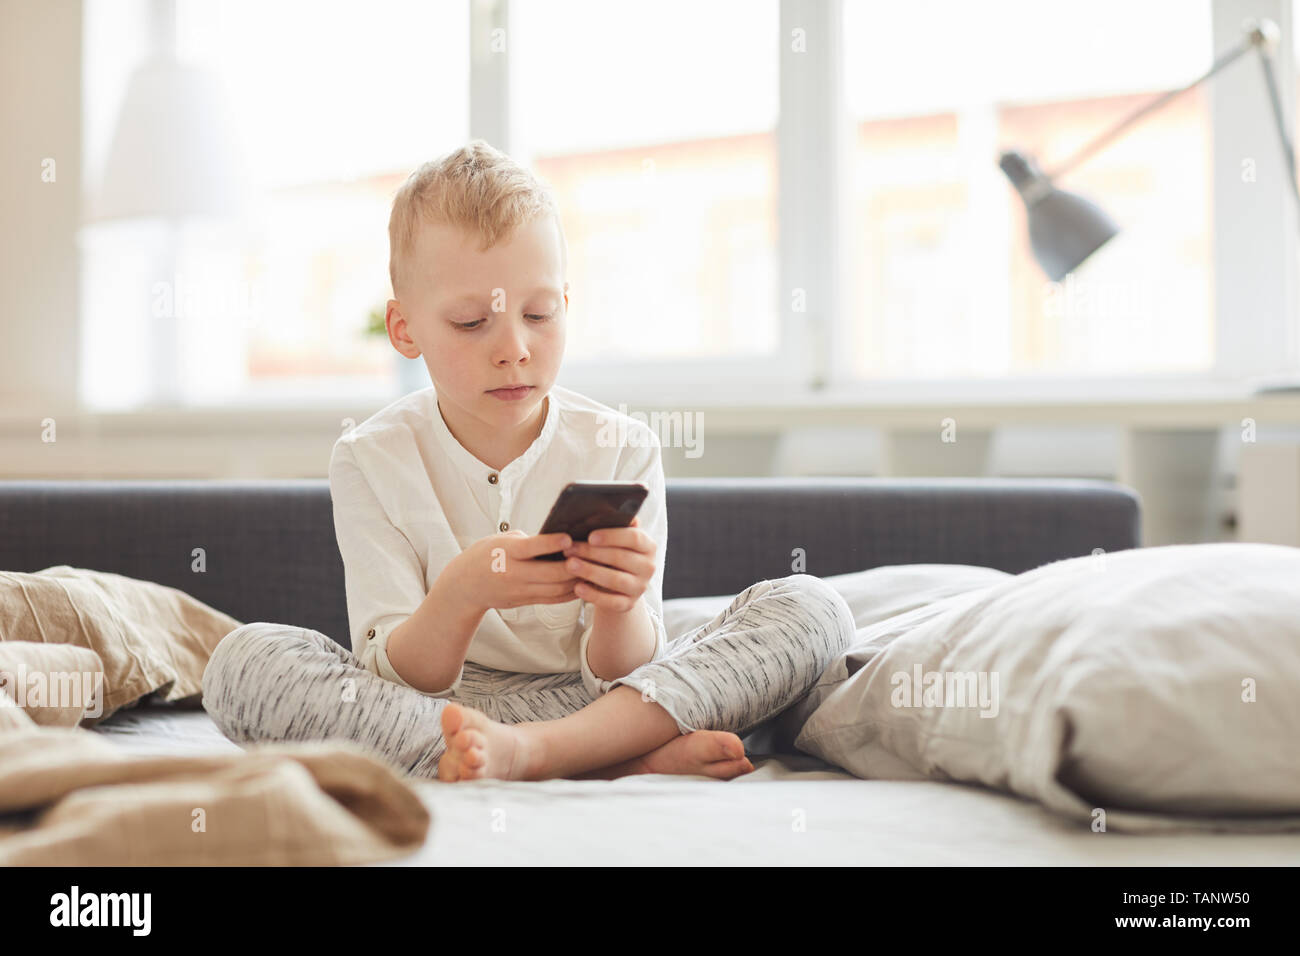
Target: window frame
[
  {"x": 674, "y": 379},
  {"x": 1254, "y": 236},
  {"x": 814, "y": 134},
  {"x": 1255, "y": 302}
]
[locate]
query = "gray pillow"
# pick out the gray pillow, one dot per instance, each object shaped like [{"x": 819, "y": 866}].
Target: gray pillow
[
  {"x": 1155, "y": 688},
  {"x": 873, "y": 595}
]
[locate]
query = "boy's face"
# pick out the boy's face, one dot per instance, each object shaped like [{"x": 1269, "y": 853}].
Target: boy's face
[{"x": 483, "y": 320}]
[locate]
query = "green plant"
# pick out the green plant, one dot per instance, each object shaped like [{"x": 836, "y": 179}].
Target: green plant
[{"x": 375, "y": 324}]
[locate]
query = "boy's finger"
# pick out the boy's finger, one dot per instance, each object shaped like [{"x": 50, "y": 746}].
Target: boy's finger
[
  {"x": 550, "y": 593},
  {"x": 544, "y": 544},
  {"x": 629, "y": 537},
  {"x": 529, "y": 572},
  {"x": 613, "y": 579},
  {"x": 622, "y": 559},
  {"x": 597, "y": 596},
  {"x": 544, "y": 572}
]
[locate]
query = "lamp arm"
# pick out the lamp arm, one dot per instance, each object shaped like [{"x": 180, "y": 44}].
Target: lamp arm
[
  {"x": 1288, "y": 152},
  {"x": 1241, "y": 49}
]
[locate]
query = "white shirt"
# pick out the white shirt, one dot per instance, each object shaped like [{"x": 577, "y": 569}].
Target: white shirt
[{"x": 408, "y": 497}]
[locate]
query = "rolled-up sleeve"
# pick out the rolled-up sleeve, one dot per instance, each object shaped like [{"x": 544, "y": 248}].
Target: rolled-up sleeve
[
  {"x": 642, "y": 462},
  {"x": 375, "y": 659},
  {"x": 382, "y": 574}
]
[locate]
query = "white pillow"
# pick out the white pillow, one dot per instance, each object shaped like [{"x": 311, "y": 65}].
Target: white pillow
[
  {"x": 873, "y": 595},
  {"x": 1155, "y": 688}
]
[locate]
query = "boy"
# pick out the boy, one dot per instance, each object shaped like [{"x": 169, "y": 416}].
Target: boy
[{"x": 472, "y": 659}]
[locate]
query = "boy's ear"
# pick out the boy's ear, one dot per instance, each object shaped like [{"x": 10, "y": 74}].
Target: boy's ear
[{"x": 398, "y": 333}]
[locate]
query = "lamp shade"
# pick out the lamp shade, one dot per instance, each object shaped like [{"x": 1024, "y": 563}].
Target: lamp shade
[
  {"x": 1064, "y": 229},
  {"x": 174, "y": 151}
]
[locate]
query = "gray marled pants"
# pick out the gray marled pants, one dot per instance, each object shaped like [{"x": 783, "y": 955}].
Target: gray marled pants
[{"x": 753, "y": 660}]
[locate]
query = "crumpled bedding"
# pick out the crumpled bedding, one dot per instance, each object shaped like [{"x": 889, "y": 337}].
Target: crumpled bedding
[
  {"x": 1148, "y": 690},
  {"x": 70, "y": 797}
]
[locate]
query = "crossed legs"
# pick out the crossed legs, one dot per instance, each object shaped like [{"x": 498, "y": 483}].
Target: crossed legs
[
  {"x": 750, "y": 662},
  {"x": 680, "y": 714}
]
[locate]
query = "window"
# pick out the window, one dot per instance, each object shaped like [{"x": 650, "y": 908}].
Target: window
[
  {"x": 334, "y": 104},
  {"x": 660, "y": 130},
  {"x": 655, "y": 125},
  {"x": 941, "y": 279}
]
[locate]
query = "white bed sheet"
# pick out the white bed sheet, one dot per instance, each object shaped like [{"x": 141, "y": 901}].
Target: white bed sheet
[{"x": 792, "y": 809}]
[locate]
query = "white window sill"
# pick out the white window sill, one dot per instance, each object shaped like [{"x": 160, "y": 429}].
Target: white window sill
[{"x": 1141, "y": 403}]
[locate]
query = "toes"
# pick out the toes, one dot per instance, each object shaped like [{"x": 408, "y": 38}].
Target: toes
[
  {"x": 727, "y": 769},
  {"x": 472, "y": 719},
  {"x": 719, "y": 745},
  {"x": 468, "y": 738},
  {"x": 453, "y": 716},
  {"x": 741, "y": 767},
  {"x": 474, "y": 765},
  {"x": 466, "y": 732}
]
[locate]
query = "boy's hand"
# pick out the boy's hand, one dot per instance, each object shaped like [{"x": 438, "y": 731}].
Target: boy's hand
[
  {"x": 615, "y": 566},
  {"x": 497, "y": 571}
]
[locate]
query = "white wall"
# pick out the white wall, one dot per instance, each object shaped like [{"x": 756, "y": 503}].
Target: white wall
[{"x": 40, "y": 114}]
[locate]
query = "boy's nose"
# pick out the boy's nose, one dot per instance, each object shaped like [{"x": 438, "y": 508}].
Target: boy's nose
[{"x": 511, "y": 348}]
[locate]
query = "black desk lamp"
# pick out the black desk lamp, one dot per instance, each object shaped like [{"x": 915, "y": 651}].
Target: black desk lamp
[{"x": 1064, "y": 228}]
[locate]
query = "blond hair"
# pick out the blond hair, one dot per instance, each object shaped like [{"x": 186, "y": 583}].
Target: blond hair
[{"x": 477, "y": 188}]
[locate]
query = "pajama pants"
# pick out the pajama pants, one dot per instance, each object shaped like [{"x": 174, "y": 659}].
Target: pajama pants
[{"x": 765, "y": 651}]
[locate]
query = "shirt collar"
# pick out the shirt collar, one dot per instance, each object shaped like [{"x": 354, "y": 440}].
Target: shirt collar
[{"x": 471, "y": 465}]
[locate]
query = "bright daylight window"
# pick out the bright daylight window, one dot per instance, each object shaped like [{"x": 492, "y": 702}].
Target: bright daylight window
[
  {"x": 658, "y": 132},
  {"x": 334, "y": 103},
  {"x": 941, "y": 280},
  {"x": 656, "y": 127}
]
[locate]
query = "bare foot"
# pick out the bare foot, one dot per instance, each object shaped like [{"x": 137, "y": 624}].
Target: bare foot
[
  {"x": 478, "y": 747},
  {"x": 712, "y": 753}
]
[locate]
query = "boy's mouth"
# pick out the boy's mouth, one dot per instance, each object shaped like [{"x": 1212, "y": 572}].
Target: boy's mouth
[{"x": 511, "y": 394}]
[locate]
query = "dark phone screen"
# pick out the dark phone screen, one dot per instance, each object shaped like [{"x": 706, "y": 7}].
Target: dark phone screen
[{"x": 584, "y": 507}]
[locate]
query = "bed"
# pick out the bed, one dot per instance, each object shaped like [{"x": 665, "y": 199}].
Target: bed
[
  {"x": 793, "y": 809},
  {"x": 866, "y": 805}
]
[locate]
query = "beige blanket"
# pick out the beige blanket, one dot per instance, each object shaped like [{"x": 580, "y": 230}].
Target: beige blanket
[
  {"x": 76, "y": 645},
  {"x": 151, "y": 639}
]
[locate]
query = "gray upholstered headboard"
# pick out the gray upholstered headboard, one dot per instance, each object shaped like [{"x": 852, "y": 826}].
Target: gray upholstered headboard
[{"x": 271, "y": 555}]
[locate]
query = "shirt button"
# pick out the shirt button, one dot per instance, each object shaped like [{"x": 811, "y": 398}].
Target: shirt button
[
  {"x": 505, "y": 526},
  {"x": 492, "y": 479},
  {"x": 370, "y": 633}
]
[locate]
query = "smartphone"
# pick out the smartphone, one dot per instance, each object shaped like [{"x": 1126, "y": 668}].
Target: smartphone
[{"x": 584, "y": 506}]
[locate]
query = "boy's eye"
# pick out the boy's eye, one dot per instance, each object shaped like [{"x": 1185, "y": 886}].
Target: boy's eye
[{"x": 539, "y": 319}]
